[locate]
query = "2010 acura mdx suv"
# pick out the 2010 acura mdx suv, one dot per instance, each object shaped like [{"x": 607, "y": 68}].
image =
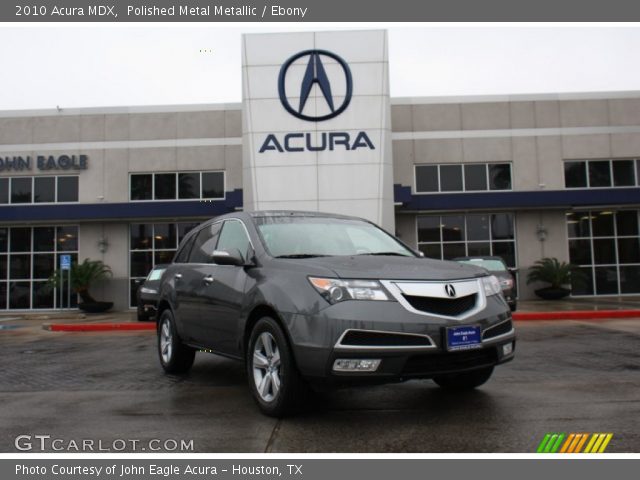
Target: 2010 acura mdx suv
[{"x": 312, "y": 299}]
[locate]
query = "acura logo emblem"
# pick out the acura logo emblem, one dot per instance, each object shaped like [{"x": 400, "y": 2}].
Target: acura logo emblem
[
  {"x": 450, "y": 290},
  {"x": 315, "y": 74}
]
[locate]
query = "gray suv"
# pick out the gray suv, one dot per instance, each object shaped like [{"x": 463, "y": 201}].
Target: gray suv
[{"x": 321, "y": 300}]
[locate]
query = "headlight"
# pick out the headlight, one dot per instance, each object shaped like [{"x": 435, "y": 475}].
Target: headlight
[
  {"x": 491, "y": 285},
  {"x": 336, "y": 290}
]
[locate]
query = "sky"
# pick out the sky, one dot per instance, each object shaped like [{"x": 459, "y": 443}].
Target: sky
[{"x": 68, "y": 66}]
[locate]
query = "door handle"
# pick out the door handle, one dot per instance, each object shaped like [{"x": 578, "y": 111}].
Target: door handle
[
  {"x": 208, "y": 279},
  {"x": 177, "y": 276}
]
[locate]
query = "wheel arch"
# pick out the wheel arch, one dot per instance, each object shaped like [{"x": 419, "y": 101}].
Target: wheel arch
[{"x": 254, "y": 316}]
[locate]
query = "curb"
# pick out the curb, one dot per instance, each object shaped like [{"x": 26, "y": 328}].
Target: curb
[
  {"x": 100, "y": 327},
  {"x": 576, "y": 315}
]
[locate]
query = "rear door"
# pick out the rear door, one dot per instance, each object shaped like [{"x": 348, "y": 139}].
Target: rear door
[{"x": 191, "y": 286}]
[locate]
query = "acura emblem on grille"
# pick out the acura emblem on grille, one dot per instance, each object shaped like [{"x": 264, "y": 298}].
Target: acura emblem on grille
[{"x": 448, "y": 288}]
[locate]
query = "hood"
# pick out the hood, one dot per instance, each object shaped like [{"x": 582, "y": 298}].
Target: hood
[{"x": 394, "y": 268}]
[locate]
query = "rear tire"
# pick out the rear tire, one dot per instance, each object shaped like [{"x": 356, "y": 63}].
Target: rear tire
[
  {"x": 465, "y": 380},
  {"x": 175, "y": 357},
  {"x": 274, "y": 380}
]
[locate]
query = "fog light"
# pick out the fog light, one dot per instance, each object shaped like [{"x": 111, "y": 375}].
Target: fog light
[
  {"x": 356, "y": 365},
  {"x": 507, "y": 349}
]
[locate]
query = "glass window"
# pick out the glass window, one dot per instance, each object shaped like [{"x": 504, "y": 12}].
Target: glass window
[
  {"x": 606, "y": 280},
  {"x": 429, "y": 229},
  {"x": 212, "y": 185},
  {"x": 3, "y": 267},
  {"x": 44, "y": 189},
  {"x": 477, "y": 227},
  {"x": 604, "y": 251},
  {"x": 478, "y": 249},
  {"x": 602, "y": 224},
  {"x": 623, "y": 173},
  {"x": 502, "y": 226},
  {"x": 629, "y": 250},
  {"x": 67, "y": 238},
  {"x": 141, "y": 186},
  {"x": 3, "y": 239},
  {"x": 19, "y": 266},
  {"x": 234, "y": 235},
  {"x": 582, "y": 284},
  {"x": 141, "y": 263},
  {"x": 431, "y": 250},
  {"x": 164, "y": 236},
  {"x": 163, "y": 256},
  {"x": 189, "y": 185},
  {"x": 580, "y": 252},
  {"x": 579, "y": 224},
  {"x": 599, "y": 174},
  {"x": 4, "y": 191},
  {"x": 575, "y": 174},
  {"x": 21, "y": 190},
  {"x": 426, "y": 178},
  {"x": 453, "y": 228},
  {"x": 205, "y": 244},
  {"x": 630, "y": 279},
  {"x": 475, "y": 177},
  {"x": 505, "y": 250},
  {"x": 499, "y": 176},
  {"x": 451, "y": 178},
  {"x": 165, "y": 186},
  {"x": 183, "y": 229},
  {"x": 43, "y": 295},
  {"x": 627, "y": 223},
  {"x": 19, "y": 295},
  {"x": 452, "y": 250},
  {"x": 20, "y": 239},
  {"x": 141, "y": 236},
  {"x": 44, "y": 239},
  {"x": 67, "y": 189},
  {"x": 43, "y": 265},
  {"x": 3, "y": 295}
]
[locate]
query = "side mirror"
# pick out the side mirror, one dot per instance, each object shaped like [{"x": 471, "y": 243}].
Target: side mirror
[{"x": 227, "y": 257}]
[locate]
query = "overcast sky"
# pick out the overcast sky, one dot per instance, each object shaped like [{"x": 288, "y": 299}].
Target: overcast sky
[{"x": 41, "y": 67}]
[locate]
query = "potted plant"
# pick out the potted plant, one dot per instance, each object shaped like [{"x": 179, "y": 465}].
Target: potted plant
[
  {"x": 82, "y": 276},
  {"x": 557, "y": 274}
]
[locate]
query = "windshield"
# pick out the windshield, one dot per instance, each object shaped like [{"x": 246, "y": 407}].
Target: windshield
[
  {"x": 156, "y": 274},
  {"x": 297, "y": 236},
  {"x": 489, "y": 264}
]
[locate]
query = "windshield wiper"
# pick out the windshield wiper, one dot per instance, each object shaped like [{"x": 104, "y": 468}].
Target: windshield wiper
[
  {"x": 301, "y": 255},
  {"x": 390, "y": 254}
]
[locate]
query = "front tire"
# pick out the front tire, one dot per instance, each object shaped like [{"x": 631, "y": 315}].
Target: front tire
[
  {"x": 274, "y": 380},
  {"x": 465, "y": 380},
  {"x": 175, "y": 357}
]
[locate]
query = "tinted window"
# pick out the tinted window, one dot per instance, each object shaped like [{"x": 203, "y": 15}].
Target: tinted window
[
  {"x": 599, "y": 174},
  {"x": 429, "y": 229},
  {"x": 234, "y": 235},
  {"x": 165, "y": 186},
  {"x": 500, "y": 176},
  {"x": 477, "y": 227},
  {"x": 141, "y": 187},
  {"x": 21, "y": 190},
  {"x": 4, "y": 190},
  {"x": 427, "y": 178},
  {"x": 623, "y": 173},
  {"x": 164, "y": 235},
  {"x": 575, "y": 174},
  {"x": 44, "y": 239},
  {"x": 451, "y": 178},
  {"x": 475, "y": 177},
  {"x": 67, "y": 238},
  {"x": 453, "y": 230},
  {"x": 212, "y": 185},
  {"x": 183, "y": 253},
  {"x": 204, "y": 244},
  {"x": 67, "y": 189},
  {"x": 189, "y": 185},
  {"x": 44, "y": 189}
]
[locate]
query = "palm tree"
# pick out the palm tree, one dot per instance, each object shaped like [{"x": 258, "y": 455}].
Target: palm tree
[
  {"x": 557, "y": 274},
  {"x": 83, "y": 275}
]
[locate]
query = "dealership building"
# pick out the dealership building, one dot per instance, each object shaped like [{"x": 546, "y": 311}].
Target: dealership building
[{"x": 518, "y": 176}]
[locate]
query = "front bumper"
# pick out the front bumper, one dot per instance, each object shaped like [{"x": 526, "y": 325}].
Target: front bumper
[{"x": 318, "y": 340}]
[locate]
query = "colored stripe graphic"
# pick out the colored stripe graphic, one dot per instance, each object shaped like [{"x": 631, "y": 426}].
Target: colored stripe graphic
[{"x": 574, "y": 442}]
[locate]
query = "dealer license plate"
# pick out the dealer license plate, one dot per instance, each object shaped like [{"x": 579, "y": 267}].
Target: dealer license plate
[{"x": 463, "y": 338}]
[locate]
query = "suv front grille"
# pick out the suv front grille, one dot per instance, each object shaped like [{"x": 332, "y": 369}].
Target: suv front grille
[
  {"x": 368, "y": 338},
  {"x": 450, "y": 307},
  {"x": 449, "y": 362}
]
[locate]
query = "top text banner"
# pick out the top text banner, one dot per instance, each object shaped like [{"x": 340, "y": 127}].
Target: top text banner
[{"x": 319, "y": 11}]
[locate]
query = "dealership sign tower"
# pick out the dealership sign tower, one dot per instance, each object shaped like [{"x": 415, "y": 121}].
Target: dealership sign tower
[{"x": 316, "y": 123}]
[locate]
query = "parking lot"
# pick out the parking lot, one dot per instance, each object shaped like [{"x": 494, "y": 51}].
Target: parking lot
[{"x": 568, "y": 376}]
